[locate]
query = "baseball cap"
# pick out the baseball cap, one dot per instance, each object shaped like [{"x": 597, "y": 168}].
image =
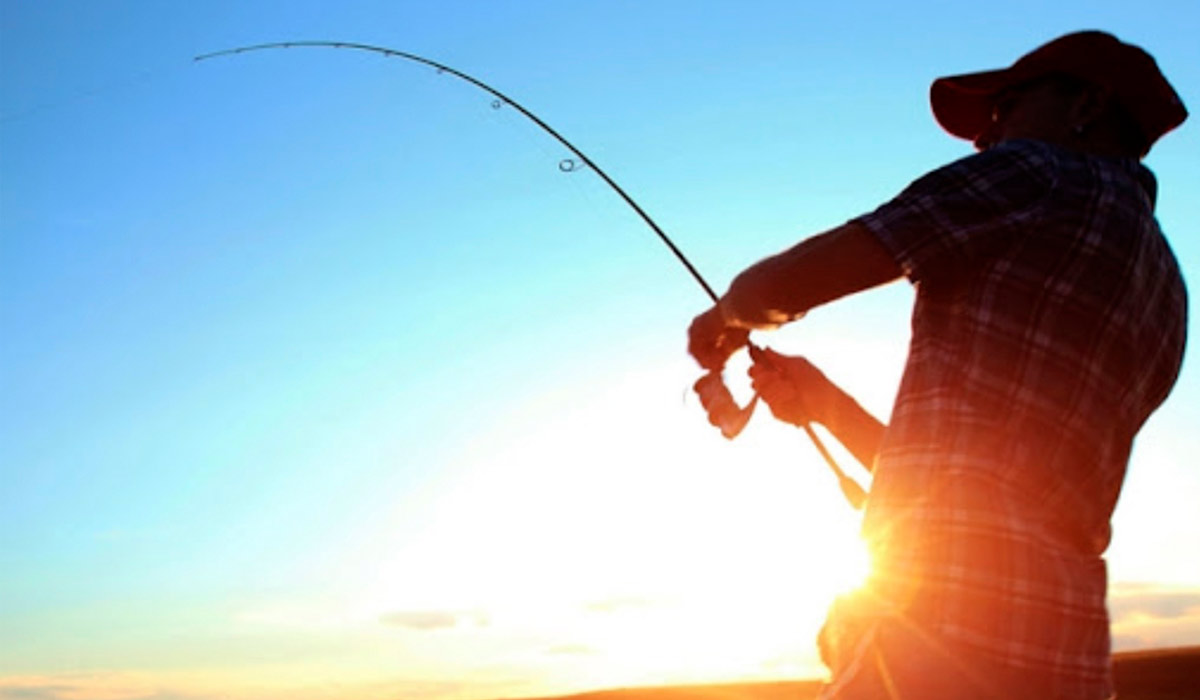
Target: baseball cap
[{"x": 962, "y": 104}]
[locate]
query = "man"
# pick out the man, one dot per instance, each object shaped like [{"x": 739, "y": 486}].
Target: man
[{"x": 1049, "y": 322}]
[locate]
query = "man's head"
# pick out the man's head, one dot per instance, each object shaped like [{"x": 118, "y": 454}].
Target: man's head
[{"x": 1086, "y": 90}]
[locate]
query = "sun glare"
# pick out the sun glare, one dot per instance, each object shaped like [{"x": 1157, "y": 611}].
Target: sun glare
[{"x": 637, "y": 548}]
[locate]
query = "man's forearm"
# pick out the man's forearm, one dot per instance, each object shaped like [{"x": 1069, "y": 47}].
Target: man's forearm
[
  {"x": 859, "y": 431},
  {"x": 818, "y": 270}
]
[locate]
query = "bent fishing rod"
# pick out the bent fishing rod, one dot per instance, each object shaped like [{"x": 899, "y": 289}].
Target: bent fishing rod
[{"x": 731, "y": 418}]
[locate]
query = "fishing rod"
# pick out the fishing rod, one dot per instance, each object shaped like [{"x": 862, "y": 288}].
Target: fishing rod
[{"x": 730, "y": 418}]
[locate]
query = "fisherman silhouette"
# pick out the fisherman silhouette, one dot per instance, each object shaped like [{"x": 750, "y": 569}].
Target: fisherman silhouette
[{"x": 1049, "y": 322}]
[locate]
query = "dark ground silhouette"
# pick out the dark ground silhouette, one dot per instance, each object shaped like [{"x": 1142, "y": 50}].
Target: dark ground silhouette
[{"x": 1159, "y": 674}]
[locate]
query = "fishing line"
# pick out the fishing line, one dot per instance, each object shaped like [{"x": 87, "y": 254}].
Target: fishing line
[{"x": 850, "y": 488}]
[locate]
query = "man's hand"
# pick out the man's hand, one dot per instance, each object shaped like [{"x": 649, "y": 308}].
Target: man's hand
[
  {"x": 711, "y": 340},
  {"x": 796, "y": 391}
]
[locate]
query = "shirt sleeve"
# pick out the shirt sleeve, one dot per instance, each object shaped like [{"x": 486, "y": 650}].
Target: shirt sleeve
[{"x": 966, "y": 211}]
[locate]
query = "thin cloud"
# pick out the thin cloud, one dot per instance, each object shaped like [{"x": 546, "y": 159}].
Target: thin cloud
[
  {"x": 571, "y": 650},
  {"x": 104, "y": 686},
  {"x": 618, "y": 604},
  {"x": 1147, "y": 602},
  {"x": 1180, "y": 632},
  {"x": 1146, "y": 616},
  {"x": 431, "y": 620}
]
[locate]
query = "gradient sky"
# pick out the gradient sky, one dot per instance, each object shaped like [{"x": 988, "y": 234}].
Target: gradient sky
[{"x": 319, "y": 379}]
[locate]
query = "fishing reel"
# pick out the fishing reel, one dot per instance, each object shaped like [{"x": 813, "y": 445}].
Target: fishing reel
[
  {"x": 722, "y": 409},
  {"x": 718, "y": 402}
]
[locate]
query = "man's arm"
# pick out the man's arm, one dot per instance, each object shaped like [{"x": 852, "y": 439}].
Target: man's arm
[
  {"x": 859, "y": 431},
  {"x": 781, "y": 288},
  {"x": 815, "y": 271}
]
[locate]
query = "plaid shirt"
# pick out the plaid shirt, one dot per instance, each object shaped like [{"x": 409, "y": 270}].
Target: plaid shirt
[{"x": 1049, "y": 323}]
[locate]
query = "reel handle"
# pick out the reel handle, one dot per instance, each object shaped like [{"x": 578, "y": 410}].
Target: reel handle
[{"x": 718, "y": 402}]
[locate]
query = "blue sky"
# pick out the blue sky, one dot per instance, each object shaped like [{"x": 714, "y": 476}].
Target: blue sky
[{"x": 316, "y": 370}]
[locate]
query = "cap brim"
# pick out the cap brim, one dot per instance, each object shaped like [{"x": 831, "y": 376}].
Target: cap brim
[{"x": 962, "y": 104}]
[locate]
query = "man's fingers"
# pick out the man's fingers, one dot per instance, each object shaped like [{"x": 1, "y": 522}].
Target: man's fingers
[
  {"x": 732, "y": 340},
  {"x": 711, "y": 342},
  {"x": 703, "y": 336}
]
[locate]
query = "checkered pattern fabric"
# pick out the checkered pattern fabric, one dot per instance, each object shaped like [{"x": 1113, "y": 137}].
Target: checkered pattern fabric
[{"x": 1049, "y": 323}]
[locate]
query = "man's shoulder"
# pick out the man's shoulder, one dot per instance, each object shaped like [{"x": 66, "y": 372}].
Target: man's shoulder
[{"x": 1003, "y": 165}]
